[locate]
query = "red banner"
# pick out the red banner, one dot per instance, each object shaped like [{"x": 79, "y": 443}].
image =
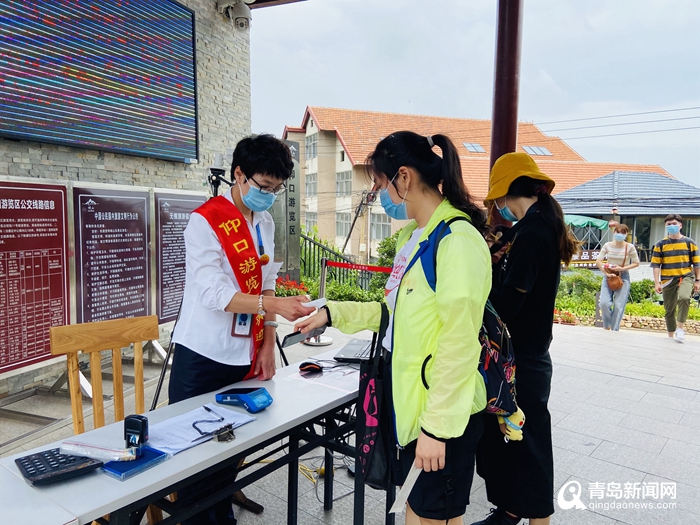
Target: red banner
[
  {"x": 364, "y": 267},
  {"x": 233, "y": 233}
]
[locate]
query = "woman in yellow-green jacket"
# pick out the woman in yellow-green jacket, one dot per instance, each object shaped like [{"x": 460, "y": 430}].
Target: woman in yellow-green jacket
[{"x": 437, "y": 394}]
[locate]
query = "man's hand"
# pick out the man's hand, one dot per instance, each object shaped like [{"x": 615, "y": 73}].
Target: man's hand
[
  {"x": 265, "y": 364},
  {"x": 290, "y": 307},
  {"x": 315, "y": 321},
  {"x": 430, "y": 453},
  {"x": 696, "y": 286},
  {"x": 657, "y": 287}
]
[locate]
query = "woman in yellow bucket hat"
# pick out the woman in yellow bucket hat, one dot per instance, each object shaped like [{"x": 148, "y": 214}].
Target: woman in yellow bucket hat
[{"x": 520, "y": 475}]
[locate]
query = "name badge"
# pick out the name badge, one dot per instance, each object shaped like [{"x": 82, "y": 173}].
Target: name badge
[{"x": 242, "y": 324}]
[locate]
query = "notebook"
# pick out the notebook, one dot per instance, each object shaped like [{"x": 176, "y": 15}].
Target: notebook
[{"x": 354, "y": 351}]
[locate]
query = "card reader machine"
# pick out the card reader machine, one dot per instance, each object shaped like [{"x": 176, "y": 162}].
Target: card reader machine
[{"x": 252, "y": 399}]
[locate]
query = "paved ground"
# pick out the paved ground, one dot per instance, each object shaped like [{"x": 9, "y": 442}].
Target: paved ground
[{"x": 625, "y": 408}]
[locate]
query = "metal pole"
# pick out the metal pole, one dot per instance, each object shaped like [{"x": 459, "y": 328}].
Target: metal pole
[{"x": 504, "y": 121}]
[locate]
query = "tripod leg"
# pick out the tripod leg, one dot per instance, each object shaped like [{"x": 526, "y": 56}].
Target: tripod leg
[
  {"x": 282, "y": 355},
  {"x": 162, "y": 376}
]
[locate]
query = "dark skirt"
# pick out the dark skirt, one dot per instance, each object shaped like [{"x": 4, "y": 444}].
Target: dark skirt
[{"x": 519, "y": 475}]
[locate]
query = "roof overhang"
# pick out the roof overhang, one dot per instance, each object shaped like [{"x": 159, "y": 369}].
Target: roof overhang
[{"x": 271, "y": 3}]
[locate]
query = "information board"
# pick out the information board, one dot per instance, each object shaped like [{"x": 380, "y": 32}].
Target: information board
[
  {"x": 112, "y": 254},
  {"x": 285, "y": 213},
  {"x": 33, "y": 270},
  {"x": 585, "y": 258},
  {"x": 172, "y": 215}
]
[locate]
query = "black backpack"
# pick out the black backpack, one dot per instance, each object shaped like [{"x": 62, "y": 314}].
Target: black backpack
[{"x": 497, "y": 361}]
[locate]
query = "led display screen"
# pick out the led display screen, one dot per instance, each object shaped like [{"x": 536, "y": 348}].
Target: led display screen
[{"x": 116, "y": 75}]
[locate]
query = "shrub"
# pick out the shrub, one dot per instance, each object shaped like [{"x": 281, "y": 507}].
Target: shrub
[
  {"x": 641, "y": 291},
  {"x": 579, "y": 282},
  {"x": 578, "y": 305},
  {"x": 651, "y": 309},
  {"x": 336, "y": 291}
]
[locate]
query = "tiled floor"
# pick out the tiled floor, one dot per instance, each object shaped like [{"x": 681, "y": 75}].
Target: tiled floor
[{"x": 625, "y": 409}]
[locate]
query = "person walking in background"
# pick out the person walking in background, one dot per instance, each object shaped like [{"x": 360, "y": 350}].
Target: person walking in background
[
  {"x": 621, "y": 258},
  {"x": 436, "y": 394},
  {"x": 519, "y": 475},
  {"x": 676, "y": 264}
]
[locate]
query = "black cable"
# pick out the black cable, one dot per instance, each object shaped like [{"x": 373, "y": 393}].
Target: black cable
[
  {"x": 615, "y": 116},
  {"x": 622, "y": 124},
  {"x": 631, "y": 133}
]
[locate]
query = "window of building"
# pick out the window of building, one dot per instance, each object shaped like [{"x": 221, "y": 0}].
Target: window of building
[
  {"x": 311, "y": 220},
  {"x": 311, "y": 184},
  {"x": 473, "y": 147},
  {"x": 312, "y": 146},
  {"x": 380, "y": 225},
  {"x": 342, "y": 224},
  {"x": 537, "y": 150},
  {"x": 342, "y": 155},
  {"x": 343, "y": 183}
]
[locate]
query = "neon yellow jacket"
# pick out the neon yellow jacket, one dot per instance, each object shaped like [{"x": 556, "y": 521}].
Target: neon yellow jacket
[{"x": 435, "y": 333}]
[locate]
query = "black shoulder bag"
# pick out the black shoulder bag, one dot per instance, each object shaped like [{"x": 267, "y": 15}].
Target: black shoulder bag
[{"x": 373, "y": 430}]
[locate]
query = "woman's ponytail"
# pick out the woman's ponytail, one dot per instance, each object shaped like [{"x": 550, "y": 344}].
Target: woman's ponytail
[{"x": 453, "y": 187}]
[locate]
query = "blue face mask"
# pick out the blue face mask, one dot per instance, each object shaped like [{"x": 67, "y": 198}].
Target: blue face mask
[
  {"x": 256, "y": 200},
  {"x": 505, "y": 212},
  {"x": 395, "y": 211},
  {"x": 673, "y": 229},
  {"x": 619, "y": 236}
]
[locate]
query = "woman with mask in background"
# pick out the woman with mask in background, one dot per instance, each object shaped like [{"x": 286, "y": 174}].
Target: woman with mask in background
[
  {"x": 519, "y": 475},
  {"x": 436, "y": 394},
  {"x": 616, "y": 258},
  {"x": 226, "y": 330}
]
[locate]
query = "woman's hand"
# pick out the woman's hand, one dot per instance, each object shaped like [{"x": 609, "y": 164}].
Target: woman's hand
[
  {"x": 315, "y": 321},
  {"x": 430, "y": 453},
  {"x": 290, "y": 307},
  {"x": 265, "y": 363}
]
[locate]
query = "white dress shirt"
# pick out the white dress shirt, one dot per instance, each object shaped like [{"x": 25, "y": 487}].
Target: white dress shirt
[{"x": 210, "y": 284}]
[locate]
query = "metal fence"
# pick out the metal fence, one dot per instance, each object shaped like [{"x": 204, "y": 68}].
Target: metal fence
[{"x": 312, "y": 251}]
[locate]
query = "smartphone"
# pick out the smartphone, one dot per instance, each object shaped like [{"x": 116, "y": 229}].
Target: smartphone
[{"x": 298, "y": 337}]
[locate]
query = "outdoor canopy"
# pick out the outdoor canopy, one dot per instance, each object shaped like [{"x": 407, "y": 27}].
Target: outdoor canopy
[{"x": 581, "y": 221}]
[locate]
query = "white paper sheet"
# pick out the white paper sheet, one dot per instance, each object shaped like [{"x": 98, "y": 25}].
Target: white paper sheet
[
  {"x": 343, "y": 378},
  {"x": 177, "y": 434},
  {"x": 402, "y": 496},
  {"x": 318, "y": 303}
]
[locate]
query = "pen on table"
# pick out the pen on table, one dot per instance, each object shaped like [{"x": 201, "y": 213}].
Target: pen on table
[{"x": 205, "y": 407}]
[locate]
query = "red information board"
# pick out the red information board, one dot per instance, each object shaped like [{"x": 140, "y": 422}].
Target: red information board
[
  {"x": 33, "y": 270},
  {"x": 173, "y": 214},
  {"x": 112, "y": 254}
]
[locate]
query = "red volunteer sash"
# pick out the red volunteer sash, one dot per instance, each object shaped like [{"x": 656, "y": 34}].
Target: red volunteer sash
[{"x": 233, "y": 233}]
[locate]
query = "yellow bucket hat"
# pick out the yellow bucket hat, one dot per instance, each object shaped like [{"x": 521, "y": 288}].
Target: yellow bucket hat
[{"x": 509, "y": 167}]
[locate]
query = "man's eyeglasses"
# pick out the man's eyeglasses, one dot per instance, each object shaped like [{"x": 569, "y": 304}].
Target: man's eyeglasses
[{"x": 266, "y": 189}]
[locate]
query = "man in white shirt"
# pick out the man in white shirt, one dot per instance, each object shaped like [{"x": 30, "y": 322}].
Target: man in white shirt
[{"x": 226, "y": 330}]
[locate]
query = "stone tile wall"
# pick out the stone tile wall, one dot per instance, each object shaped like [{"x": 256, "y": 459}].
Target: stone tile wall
[{"x": 224, "y": 117}]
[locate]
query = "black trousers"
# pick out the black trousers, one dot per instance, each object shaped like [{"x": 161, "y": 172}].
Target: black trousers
[{"x": 191, "y": 375}]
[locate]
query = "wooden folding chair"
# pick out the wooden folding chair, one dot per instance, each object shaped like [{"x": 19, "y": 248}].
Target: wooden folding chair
[{"x": 92, "y": 339}]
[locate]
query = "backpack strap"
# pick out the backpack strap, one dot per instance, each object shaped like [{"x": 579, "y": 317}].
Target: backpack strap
[
  {"x": 444, "y": 230},
  {"x": 427, "y": 250}
]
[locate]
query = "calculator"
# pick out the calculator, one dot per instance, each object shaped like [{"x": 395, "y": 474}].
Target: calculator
[{"x": 50, "y": 466}]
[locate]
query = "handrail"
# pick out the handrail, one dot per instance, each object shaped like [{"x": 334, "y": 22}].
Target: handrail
[{"x": 313, "y": 251}]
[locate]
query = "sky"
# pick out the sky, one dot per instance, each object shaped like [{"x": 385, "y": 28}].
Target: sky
[{"x": 580, "y": 59}]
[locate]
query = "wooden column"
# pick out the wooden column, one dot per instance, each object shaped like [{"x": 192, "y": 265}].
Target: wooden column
[{"x": 504, "y": 120}]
